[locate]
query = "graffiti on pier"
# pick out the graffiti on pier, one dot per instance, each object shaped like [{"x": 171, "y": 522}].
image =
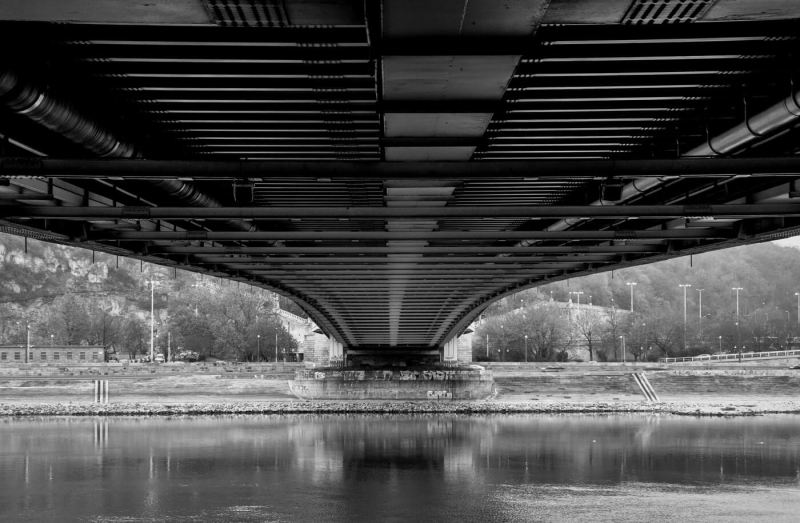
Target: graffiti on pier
[
  {"x": 353, "y": 375},
  {"x": 298, "y": 389},
  {"x": 389, "y": 375},
  {"x": 436, "y": 375},
  {"x": 439, "y": 394}
]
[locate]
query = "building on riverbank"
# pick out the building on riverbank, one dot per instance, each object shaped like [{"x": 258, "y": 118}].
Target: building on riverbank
[{"x": 53, "y": 354}]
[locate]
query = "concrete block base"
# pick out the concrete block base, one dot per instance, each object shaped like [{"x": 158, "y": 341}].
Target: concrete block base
[{"x": 429, "y": 383}]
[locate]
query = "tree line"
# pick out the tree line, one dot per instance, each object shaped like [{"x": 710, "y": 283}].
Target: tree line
[
  {"x": 212, "y": 319},
  {"x": 766, "y": 317}
]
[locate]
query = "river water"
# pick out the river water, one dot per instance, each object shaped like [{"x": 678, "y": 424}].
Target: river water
[{"x": 418, "y": 468}]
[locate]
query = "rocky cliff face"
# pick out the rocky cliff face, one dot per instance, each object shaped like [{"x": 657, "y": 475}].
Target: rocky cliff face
[
  {"x": 33, "y": 279},
  {"x": 49, "y": 269}
]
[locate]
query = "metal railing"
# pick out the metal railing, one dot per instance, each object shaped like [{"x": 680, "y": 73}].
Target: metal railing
[
  {"x": 735, "y": 357},
  {"x": 292, "y": 316}
]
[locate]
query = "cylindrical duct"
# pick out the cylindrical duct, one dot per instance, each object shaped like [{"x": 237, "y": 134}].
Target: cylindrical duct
[
  {"x": 191, "y": 195},
  {"x": 59, "y": 116},
  {"x": 751, "y": 130}
]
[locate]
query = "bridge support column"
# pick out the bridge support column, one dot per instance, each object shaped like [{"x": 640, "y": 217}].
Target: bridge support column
[
  {"x": 464, "y": 348},
  {"x": 450, "y": 353},
  {"x": 335, "y": 353}
]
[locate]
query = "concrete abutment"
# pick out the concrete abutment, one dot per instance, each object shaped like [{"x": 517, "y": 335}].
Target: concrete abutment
[{"x": 442, "y": 383}]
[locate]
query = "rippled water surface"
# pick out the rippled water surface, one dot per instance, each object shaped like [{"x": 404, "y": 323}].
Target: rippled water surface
[{"x": 442, "y": 468}]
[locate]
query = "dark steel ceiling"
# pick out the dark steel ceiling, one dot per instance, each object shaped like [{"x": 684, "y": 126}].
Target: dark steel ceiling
[{"x": 409, "y": 162}]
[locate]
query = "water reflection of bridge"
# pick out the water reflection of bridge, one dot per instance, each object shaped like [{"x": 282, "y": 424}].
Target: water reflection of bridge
[{"x": 392, "y": 167}]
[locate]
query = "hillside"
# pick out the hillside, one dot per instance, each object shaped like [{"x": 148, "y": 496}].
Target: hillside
[
  {"x": 71, "y": 296},
  {"x": 768, "y": 275},
  {"x": 765, "y": 316}
]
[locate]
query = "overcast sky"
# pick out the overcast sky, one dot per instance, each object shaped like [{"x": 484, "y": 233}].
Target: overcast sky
[{"x": 794, "y": 241}]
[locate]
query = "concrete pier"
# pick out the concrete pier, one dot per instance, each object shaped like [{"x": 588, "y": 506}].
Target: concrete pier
[{"x": 471, "y": 382}]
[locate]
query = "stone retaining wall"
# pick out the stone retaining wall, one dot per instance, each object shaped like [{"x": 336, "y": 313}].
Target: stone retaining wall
[
  {"x": 515, "y": 367},
  {"x": 764, "y": 384},
  {"x": 544, "y": 386},
  {"x": 148, "y": 369}
]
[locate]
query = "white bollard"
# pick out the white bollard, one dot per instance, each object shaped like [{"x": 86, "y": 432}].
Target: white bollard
[{"x": 101, "y": 392}]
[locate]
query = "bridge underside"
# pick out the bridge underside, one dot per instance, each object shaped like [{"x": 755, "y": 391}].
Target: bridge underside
[{"x": 396, "y": 166}]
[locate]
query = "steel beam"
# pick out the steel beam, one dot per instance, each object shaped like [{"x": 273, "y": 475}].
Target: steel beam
[
  {"x": 537, "y": 169},
  {"x": 404, "y": 213},
  {"x": 432, "y": 262},
  {"x": 400, "y": 274},
  {"x": 365, "y": 250},
  {"x": 444, "y": 286},
  {"x": 671, "y": 234}
]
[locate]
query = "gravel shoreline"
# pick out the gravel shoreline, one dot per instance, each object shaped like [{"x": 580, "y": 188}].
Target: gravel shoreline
[{"x": 388, "y": 407}]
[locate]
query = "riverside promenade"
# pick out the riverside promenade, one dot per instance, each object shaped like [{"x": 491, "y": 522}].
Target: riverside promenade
[{"x": 174, "y": 389}]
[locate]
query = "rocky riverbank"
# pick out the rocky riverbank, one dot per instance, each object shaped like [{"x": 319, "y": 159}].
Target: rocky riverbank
[{"x": 382, "y": 407}]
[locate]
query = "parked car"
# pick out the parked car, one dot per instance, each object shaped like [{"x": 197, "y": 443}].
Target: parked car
[
  {"x": 795, "y": 367},
  {"x": 159, "y": 358},
  {"x": 187, "y": 356},
  {"x": 703, "y": 356}
]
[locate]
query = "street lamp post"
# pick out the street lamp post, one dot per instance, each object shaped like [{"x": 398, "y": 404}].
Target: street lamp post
[
  {"x": 152, "y": 319},
  {"x": 700, "y": 314},
  {"x": 526, "y": 348},
  {"x": 798, "y": 306},
  {"x": 644, "y": 330},
  {"x": 623, "y": 347},
  {"x": 578, "y": 294},
  {"x": 502, "y": 343},
  {"x": 720, "y": 344},
  {"x": 631, "y": 285},
  {"x": 685, "y": 286},
  {"x": 258, "y": 342},
  {"x": 737, "y": 289}
]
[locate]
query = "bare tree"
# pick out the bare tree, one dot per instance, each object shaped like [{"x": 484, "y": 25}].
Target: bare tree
[
  {"x": 75, "y": 318},
  {"x": 103, "y": 327},
  {"x": 637, "y": 336},
  {"x": 549, "y": 333},
  {"x": 135, "y": 336},
  {"x": 611, "y": 329},
  {"x": 588, "y": 325},
  {"x": 665, "y": 331}
]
